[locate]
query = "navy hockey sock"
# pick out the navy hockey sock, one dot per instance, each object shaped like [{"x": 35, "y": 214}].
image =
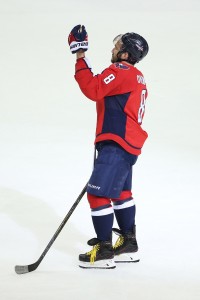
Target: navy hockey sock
[
  {"x": 103, "y": 222},
  {"x": 125, "y": 215}
]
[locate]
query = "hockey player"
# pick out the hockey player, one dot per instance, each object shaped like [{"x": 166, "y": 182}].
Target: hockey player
[{"x": 120, "y": 94}]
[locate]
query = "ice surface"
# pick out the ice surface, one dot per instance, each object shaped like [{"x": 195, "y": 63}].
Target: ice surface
[{"x": 46, "y": 150}]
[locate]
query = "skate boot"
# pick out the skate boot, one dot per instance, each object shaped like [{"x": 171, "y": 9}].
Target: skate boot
[
  {"x": 125, "y": 248},
  {"x": 100, "y": 257}
]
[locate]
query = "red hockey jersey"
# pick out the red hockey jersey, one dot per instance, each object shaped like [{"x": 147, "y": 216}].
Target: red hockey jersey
[{"x": 120, "y": 94}]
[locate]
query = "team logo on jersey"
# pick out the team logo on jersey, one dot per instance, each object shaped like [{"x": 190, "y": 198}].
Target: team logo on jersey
[{"x": 121, "y": 66}]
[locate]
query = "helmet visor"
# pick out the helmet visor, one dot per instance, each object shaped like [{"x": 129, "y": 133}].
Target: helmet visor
[{"x": 117, "y": 39}]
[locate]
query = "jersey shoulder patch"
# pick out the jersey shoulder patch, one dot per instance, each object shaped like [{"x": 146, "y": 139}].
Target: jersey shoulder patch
[{"x": 121, "y": 66}]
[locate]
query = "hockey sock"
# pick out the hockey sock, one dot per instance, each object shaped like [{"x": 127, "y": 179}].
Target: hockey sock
[
  {"x": 125, "y": 215},
  {"x": 102, "y": 218}
]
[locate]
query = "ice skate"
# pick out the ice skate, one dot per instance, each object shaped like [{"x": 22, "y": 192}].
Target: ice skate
[
  {"x": 126, "y": 248},
  {"x": 100, "y": 257}
]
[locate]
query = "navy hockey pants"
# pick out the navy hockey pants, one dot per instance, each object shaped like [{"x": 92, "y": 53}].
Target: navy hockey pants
[{"x": 112, "y": 172}]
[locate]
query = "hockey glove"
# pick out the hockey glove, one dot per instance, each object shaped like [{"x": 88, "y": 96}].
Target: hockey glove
[{"x": 78, "y": 39}]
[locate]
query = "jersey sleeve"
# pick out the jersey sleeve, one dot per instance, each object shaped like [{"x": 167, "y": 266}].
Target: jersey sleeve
[{"x": 96, "y": 87}]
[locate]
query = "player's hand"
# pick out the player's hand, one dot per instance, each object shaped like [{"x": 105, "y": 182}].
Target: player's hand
[{"x": 78, "y": 39}]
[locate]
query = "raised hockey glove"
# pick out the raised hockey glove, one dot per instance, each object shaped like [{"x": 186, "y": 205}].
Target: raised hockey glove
[{"x": 78, "y": 39}]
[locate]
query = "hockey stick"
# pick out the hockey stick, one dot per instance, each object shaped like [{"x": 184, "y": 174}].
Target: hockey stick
[{"x": 33, "y": 267}]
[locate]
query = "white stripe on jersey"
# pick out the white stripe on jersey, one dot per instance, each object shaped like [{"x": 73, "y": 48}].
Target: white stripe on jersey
[{"x": 87, "y": 62}]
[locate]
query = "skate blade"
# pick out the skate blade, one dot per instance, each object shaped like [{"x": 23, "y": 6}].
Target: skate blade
[
  {"x": 100, "y": 264},
  {"x": 127, "y": 258}
]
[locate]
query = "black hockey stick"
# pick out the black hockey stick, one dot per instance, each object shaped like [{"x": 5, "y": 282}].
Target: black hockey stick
[{"x": 33, "y": 267}]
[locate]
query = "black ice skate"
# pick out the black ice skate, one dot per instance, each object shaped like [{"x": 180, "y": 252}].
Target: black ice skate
[
  {"x": 100, "y": 257},
  {"x": 126, "y": 248}
]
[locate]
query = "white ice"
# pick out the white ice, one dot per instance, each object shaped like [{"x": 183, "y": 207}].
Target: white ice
[{"x": 46, "y": 149}]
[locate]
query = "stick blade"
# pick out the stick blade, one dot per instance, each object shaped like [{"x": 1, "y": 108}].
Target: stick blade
[
  {"x": 26, "y": 269},
  {"x": 21, "y": 269}
]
